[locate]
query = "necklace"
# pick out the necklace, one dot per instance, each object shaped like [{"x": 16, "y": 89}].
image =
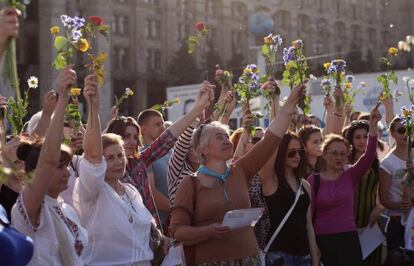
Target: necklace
[{"x": 220, "y": 177}]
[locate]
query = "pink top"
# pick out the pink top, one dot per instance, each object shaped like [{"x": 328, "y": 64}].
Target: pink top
[{"x": 335, "y": 198}]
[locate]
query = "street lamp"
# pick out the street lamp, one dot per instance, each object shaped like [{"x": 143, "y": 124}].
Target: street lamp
[{"x": 405, "y": 46}]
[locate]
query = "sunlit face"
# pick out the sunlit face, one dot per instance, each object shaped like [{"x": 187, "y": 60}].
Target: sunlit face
[
  {"x": 293, "y": 154},
  {"x": 360, "y": 139},
  {"x": 116, "y": 161},
  {"x": 153, "y": 127},
  {"x": 399, "y": 134},
  {"x": 259, "y": 134},
  {"x": 336, "y": 155},
  {"x": 130, "y": 139},
  {"x": 313, "y": 144},
  {"x": 219, "y": 146},
  {"x": 59, "y": 182}
]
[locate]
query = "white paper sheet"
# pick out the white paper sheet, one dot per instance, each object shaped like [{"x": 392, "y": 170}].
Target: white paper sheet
[
  {"x": 370, "y": 238},
  {"x": 175, "y": 257},
  {"x": 240, "y": 218}
]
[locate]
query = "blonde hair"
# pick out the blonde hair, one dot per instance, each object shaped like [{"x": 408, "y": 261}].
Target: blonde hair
[{"x": 201, "y": 137}]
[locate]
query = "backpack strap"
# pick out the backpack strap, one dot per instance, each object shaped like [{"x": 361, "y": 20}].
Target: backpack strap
[{"x": 316, "y": 184}]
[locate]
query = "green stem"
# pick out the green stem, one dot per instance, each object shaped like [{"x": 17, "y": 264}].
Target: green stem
[{"x": 10, "y": 68}]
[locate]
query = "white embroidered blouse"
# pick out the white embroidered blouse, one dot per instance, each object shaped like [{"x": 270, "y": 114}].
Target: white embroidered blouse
[
  {"x": 118, "y": 226},
  {"x": 57, "y": 227}
]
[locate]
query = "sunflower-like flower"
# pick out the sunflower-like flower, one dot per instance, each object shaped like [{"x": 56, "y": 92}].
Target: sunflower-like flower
[
  {"x": 392, "y": 51},
  {"x": 74, "y": 92},
  {"x": 54, "y": 30},
  {"x": 82, "y": 45},
  {"x": 33, "y": 82}
]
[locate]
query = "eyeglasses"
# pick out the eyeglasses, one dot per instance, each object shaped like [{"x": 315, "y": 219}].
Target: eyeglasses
[
  {"x": 255, "y": 140},
  {"x": 401, "y": 130},
  {"x": 292, "y": 153},
  {"x": 337, "y": 154}
]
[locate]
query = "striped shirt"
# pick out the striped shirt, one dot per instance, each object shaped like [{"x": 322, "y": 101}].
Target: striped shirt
[{"x": 178, "y": 167}]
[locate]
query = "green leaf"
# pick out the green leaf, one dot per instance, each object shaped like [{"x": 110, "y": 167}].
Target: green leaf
[
  {"x": 60, "y": 62},
  {"x": 393, "y": 77},
  {"x": 192, "y": 44},
  {"x": 61, "y": 43},
  {"x": 266, "y": 50}
]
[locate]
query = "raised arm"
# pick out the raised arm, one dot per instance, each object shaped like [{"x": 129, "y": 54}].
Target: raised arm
[
  {"x": 49, "y": 156},
  {"x": 49, "y": 105},
  {"x": 255, "y": 159},
  {"x": 362, "y": 165},
  {"x": 389, "y": 109},
  {"x": 204, "y": 98},
  {"x": 9, "y": 26},
  {"x": 92, "y": 143}
]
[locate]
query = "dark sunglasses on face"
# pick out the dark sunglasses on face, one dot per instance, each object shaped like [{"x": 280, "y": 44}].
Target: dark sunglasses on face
[
  {"x": 401, "y": 130},
  {"x": 292, "y": 153},
  {"x": 255, "y": 140}
]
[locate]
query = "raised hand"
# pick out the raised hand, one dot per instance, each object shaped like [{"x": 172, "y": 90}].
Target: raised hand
[
  {"x": 9, "y": 23},
  {"x": 49, "y": 102},
  {"x": 375, "y": 115},
  {"x": 270, "y": 85},
  {"x": 328, "y": 103},
  {"x": 91, "y": 92},
  {"x": 65, "y": 80},
  {"x": 205, "y": 96},
  {"x": 295, "y": 94}
]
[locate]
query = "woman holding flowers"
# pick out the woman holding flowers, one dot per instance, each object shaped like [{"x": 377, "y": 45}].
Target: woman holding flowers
[
  {"x": 333, "y": 197},
  {"x": 367, "y": 209},
  {"x": 138, "y": 162},
  {"x": 391, "y": 175},
  {"x": 217, "y": 188},
  {"x": 54, "y": 226}
]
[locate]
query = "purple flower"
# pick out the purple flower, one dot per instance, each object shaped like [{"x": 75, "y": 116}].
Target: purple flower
[
  {"x": 350, "y": 78},
  {"x": 66, "y": 21},
  {"x": 337, "y": 65},
  {"x": 326, "y": 82},
  {"x": 289, "y": 54},
  {"x": 78, "y": 22},
  {"x": 76, "y": 35}
]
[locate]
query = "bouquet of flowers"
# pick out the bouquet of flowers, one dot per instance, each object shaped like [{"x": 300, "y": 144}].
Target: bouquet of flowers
[
  {"x": 166, "y": 105},
  {"x": 336, "y": 71},
  {"x": 18, "y": 107},
  {"x": 389, "y": 76},
  {"x": 407, "y": 119},
  {"x": 349, "y": 93},
  {"x": 118, "y": 101},
  {"x": 269, "y": 51},
  {"x": 296, "y": 67},
  {"x": 248, "y": 87},
  {"x": 10, "y": 66}
]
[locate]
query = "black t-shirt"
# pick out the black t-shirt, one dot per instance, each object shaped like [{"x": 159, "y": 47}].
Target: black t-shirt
[
  {"x": 292, "y": 238},
  {"x": 8, "y": 198}
]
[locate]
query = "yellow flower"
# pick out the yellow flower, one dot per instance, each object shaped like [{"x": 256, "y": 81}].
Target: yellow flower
[
  {"x": 226, "y": 73},
  {"x": 129, "y": 92},
  {"x": 393, "y": 51},
  {"x": 54, "y": 30},
  {"x": 75, "y": 92},
  {"x": 176, "y": 100},
  {"x": 348, "y": 85},
  {"x": 268, "y": 40},
  {"x": 82, "y": 45},
  {"x": 327, "y": 65},
  {"x": 406, "y": 112},
  {"x": 247, "y": 71}
]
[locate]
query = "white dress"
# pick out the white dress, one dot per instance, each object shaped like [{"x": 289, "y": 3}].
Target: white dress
[
  {"x": 57, "y": 228},
  {"x": 118, "y": 227}
]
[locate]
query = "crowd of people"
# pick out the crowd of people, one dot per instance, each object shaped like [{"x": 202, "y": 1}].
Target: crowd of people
[{"x": 125, "y": 193}]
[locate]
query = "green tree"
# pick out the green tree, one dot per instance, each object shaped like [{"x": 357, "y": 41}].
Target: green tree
[{"x": 183, "y": 68}]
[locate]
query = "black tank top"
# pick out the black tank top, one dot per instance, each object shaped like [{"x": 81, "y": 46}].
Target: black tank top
[
  {"x": 292, "y": 239},
  {"x": 8, "y": 198}
]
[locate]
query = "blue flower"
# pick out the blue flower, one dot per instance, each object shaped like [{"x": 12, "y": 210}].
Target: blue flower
[
  {"x": 253, "y": 67},
  {"x": 326, "y": 82},
  {"x": 350, "y": 78},
  {"x": 337, "y": 65},
  {"x": 76, "y": 35},
  {"x": 66, "y": 21},
  {"x": 78, "y": 22},
  {"x": 289, "y": 54}
]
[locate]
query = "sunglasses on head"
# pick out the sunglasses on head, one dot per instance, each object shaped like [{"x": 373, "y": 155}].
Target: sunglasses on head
[
  {"x": 255, "y": 140},
  {"x": 401, "y": 130},
  {"x": 292, "y": 153}
]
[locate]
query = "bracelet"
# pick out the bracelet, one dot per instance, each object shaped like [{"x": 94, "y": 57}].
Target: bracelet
[{"x": 336, "y": 114}]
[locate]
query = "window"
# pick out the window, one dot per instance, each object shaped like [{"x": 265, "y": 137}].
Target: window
[
  {"x": 182, "y": 32},
  {"x": 153, "y": 29},
  {"x": 123, "y": 25},
  {"x": 153, "y": 2},
  {"x": 122, "y": 58},
  {"x": 181, "y": 7},
  {"x": 153, "y": 59},
  {"x": 114, "y": 27},
  {"x": 236, "y": 39},
  {"x": 212, "y": 7},
  {"x": 238, "y": 10}
]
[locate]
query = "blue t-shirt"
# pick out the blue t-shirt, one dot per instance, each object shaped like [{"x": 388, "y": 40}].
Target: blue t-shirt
[{"x": 15, "y": 248}]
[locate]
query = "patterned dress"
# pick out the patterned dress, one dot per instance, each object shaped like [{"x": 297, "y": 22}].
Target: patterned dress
[
  {"x": 136, "y": 173},
  {"x": 366, "y": 200}
]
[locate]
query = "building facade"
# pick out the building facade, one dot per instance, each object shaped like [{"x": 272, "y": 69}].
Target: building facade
[{"x": 146, "y": 34}]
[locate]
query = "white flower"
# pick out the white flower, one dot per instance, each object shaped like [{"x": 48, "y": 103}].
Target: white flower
[
  {"x": 312, "y": 77},
  {"x": 33, "y": 82},
  {"x": 129, "y": 92},
  {"x": 405, "y": 79}
]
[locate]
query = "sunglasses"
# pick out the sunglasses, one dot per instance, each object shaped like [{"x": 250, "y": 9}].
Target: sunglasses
[
  {"x": 401, "y": 130},
  {"x": 292, "y": 153},
  {"x": 255, "y": 140},
  {"x": 336, "y": 154}
]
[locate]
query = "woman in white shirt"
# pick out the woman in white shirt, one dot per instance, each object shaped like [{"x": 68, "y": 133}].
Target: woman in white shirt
[
  {"x": 118, "y": 223},
  {"x": 54, "y": 227}
]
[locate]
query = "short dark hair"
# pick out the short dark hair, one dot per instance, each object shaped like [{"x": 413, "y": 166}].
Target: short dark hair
[
  {"x": 119, "y": 124},
  {"x": 145, "y": 115}
]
